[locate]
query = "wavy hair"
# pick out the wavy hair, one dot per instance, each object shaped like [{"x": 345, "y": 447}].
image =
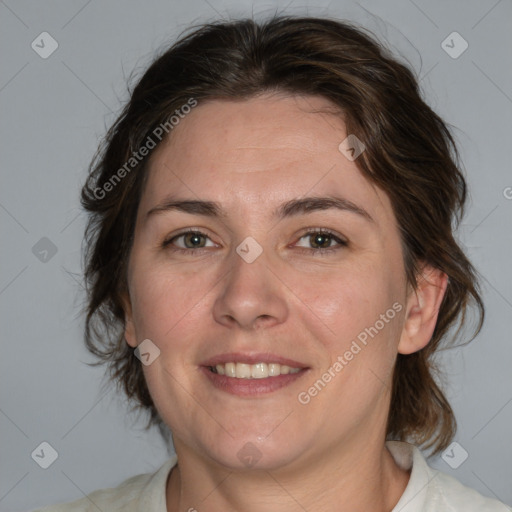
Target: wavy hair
[{"x": 410, "y": 153}]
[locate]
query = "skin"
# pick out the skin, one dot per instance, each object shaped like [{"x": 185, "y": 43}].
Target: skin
[{"x": 250, "y": 156}]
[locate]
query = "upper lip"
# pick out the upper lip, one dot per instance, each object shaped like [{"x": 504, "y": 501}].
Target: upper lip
[{"x": 252, "y": 358}]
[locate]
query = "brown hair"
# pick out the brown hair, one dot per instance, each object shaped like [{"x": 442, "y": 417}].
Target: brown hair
[{"x": 410, "y": 154}]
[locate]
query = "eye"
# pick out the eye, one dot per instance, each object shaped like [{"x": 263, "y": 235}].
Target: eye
[
  {"x": 321, "y": 240},
  {"x": 192, "y": 240}
]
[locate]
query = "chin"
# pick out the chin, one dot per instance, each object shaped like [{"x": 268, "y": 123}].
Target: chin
[{"x": 247, "y": 453}]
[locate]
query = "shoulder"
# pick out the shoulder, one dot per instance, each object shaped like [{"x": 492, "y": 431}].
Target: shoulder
[
  {"x": 142, "y": 492},
  {"x": 447, "y": 493},
  {"x": 430, "y": 490},
  {"x": 122, "y": 497}
]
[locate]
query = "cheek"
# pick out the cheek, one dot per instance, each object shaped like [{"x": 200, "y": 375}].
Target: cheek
[
  {"x": 164, "y": 301},
  {"x": 350, "y": 299},
  {"x": 361, "y": 314}
]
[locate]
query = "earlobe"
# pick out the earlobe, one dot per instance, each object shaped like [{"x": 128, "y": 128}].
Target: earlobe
[
  {"x": 129, "y": 328},
  {"x": 129, "y": 333},
  {"x": 422, "y": 310}
]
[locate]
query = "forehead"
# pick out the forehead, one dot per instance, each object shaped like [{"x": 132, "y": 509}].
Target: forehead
[{"x": 258, "y": 153}]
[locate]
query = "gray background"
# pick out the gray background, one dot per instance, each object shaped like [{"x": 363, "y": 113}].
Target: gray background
[{"x": 55, "y": 110}]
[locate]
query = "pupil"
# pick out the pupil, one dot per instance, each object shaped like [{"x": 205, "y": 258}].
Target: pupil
[
  {"x": 319, "y": 238},
  {"x": 194, "y": 239}
]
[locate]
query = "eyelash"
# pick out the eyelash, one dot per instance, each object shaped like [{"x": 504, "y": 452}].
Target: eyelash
[{"x": 322, "y": 251}]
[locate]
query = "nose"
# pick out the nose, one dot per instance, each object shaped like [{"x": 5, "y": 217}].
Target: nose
[{"x": 251, "y": 295}]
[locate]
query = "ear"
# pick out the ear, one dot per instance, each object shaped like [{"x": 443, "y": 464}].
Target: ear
[
  {"x": 422, "y": 310},
  {"x": 129, "y": 327}
]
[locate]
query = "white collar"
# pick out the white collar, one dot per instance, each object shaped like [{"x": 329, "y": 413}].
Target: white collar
[{"x": 409, "y": 457}]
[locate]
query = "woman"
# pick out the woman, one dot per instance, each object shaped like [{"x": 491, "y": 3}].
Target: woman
[{"x": 271, "y": 269}]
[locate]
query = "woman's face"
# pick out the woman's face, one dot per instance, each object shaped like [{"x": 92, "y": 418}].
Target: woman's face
[{"x": 258, "y": 285}]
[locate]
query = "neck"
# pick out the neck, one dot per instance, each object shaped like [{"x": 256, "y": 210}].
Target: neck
[{"x": 362, "y": 479}]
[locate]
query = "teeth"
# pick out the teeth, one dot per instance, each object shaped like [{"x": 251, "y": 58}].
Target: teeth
[
  {"x": 253, "y": 371},
  {"x": 230, "y": 369},
  {"x": 243, "y": 371},
  {"x": 259, "y": 371},
  {"x": 274, "y": 369}
]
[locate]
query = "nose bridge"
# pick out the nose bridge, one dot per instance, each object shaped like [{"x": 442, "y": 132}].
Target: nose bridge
[{"x": 250, "y": 291}]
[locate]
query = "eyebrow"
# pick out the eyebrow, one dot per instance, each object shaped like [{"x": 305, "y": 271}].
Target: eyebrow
[{"x": 290, "y": 208}]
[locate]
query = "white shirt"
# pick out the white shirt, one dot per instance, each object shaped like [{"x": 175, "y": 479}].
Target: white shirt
[{"x": 428, "y": 490}]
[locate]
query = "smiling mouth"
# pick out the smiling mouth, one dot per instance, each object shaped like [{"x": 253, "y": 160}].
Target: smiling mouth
[{"x": 237, "y": 370}]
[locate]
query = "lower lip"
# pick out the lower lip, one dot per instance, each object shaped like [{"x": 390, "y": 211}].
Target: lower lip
[{"x": 251, "y": 387}]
